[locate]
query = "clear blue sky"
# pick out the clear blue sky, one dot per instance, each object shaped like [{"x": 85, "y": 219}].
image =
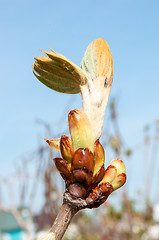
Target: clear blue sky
[{"x": 131, "y": 29}]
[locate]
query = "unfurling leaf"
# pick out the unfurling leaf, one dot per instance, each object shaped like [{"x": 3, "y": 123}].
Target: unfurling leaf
[
  {"x": 97, "y": 61},
  {"x": 98, "y": 66},
  {"x": 59, "y": 73}
]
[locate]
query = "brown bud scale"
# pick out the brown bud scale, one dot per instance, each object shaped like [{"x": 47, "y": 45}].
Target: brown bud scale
[
  {"x": 83, "y": 176},
  {"x": 77, "y": 190},
  {"x": 63, "y": 168},
  {"x": 100, "y": 174},
  {"x": 96, "y": 179},
  {"x": 83, "y": 158}
]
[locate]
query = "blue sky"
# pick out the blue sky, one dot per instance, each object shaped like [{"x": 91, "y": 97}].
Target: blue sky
[{"x": 129, "y": 27}]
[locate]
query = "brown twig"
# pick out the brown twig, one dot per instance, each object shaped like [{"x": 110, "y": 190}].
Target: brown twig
[{"x": 69, "y": 208}]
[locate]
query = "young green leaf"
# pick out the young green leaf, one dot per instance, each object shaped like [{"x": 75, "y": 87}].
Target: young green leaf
[
  {"x": 98, "y": 66},
  {"x": 59, "y": 73}
]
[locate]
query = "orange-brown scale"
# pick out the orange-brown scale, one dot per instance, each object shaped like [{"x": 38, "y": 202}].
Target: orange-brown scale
[{"x": 99, "y": 195}]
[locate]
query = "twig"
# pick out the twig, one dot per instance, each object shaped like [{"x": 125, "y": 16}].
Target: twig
[{"x": 69, "y": 208}]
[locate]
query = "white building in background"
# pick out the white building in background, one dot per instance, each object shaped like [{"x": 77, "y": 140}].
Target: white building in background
[{"x": 156, "y": 213}]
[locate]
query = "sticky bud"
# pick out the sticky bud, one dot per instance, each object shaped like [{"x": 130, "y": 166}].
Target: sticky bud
[
  {"x": 120, "y": 179},
  {"x": 80, "y": 130}
]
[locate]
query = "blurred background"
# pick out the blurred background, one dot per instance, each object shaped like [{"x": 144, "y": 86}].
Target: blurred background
[{"x": 30, "y": 187}]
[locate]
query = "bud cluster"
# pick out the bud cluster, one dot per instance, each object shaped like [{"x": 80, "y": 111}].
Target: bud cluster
[{"x": 82, "y": 163}]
